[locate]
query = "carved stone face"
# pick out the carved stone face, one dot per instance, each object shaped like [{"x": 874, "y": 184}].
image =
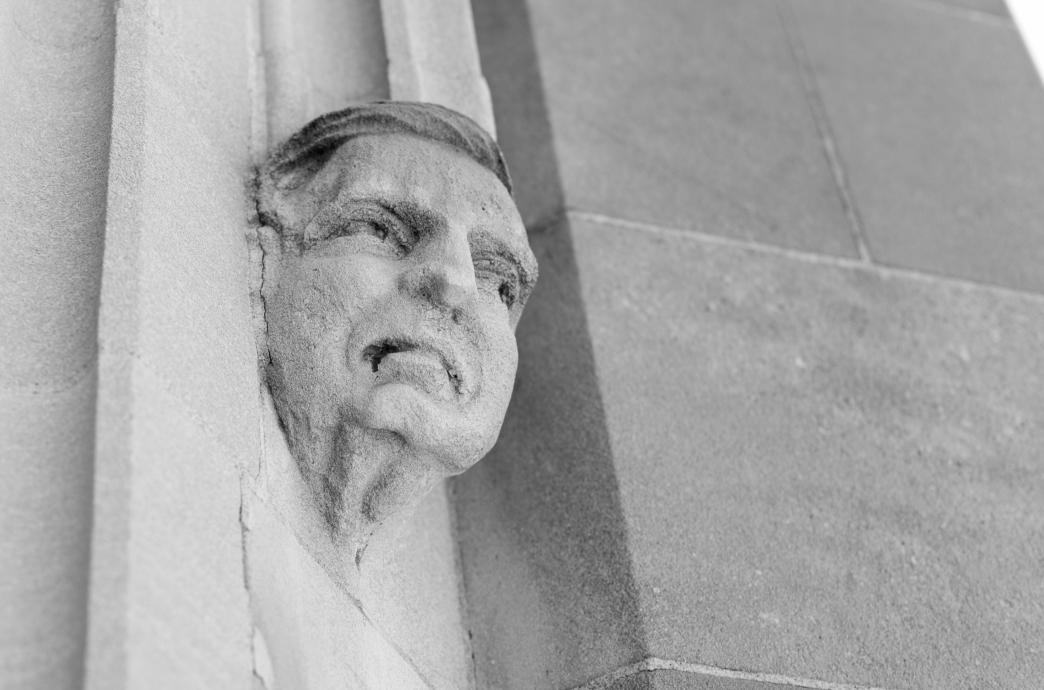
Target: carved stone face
[{"x": 391, "y": 314}]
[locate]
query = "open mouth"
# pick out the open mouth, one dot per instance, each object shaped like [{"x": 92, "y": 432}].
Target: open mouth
[{"x": 401, "y": 359}]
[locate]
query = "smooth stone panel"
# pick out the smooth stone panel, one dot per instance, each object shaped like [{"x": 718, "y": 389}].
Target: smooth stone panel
[
  {"x": 939, "y": 121},
  {"x": 45, "y": 489},
  {"x": 686, "y": 114},
  {"x": 826, "y": 471},
  {"x": 187, "y": 610},
  {"x": 193, "y": 268}
]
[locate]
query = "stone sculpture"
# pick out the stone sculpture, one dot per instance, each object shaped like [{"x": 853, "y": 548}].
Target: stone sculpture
[{"x": 396, "y": 268}]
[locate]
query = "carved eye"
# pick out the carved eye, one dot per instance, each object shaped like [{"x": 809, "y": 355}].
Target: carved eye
[
  {"x": 499, "y": 276},
  {"x": 391, "y": 233},
  {"x": 508, "y": 294},
  {"x": 358, "y": 227}
]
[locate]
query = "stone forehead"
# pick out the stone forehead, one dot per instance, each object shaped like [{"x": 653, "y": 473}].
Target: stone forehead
[
  {"x": 419, "y": 166},
  {"x": 361, "y": 166},
  {"x": 319, "y": 138}
]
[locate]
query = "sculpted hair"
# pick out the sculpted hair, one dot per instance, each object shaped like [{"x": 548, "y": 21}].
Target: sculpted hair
[{"x": 297, "y": 160}]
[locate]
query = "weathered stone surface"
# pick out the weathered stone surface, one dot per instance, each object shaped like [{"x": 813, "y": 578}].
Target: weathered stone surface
[
  {"x": 825, "y": 471},
  {"x": 685, "y": 114},
  {"x": 942, "y": 144},
  {"x": 320, "y": 56},
  {"x": 396, "y": 268}
]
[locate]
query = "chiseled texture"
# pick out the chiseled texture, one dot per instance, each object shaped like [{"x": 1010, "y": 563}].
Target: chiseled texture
[
  {"x": 56, "y": 68},
  {"x": 396, "y": 268}
]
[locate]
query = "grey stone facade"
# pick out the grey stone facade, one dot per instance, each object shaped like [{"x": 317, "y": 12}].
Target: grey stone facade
[{"x": 779, "y": 412}]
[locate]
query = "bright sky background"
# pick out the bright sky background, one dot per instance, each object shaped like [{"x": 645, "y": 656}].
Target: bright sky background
[{"x": 1029, "y": 16}]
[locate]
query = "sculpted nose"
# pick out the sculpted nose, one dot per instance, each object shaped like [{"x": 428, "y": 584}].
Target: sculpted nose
[{"x": 444, "y": 277}]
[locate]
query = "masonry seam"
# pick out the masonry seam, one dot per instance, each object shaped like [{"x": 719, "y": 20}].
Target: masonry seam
[
  {"x": 656, "y": 664},
  {"x": 817, "y": 108},
  {"x": 258, "y": 138},
  {"x": 883, "y": 270}
]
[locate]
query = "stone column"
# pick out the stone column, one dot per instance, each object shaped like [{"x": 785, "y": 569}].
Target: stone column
[{"x": 56, "y": 68}]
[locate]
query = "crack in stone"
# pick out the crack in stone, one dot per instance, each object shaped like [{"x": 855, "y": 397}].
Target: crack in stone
[
  {"x": 830, "y": 260},
  {"x": 822, "y": 123}
]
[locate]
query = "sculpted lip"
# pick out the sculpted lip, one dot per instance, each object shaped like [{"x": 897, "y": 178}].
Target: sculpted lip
[{"x": 374, "y": 354}]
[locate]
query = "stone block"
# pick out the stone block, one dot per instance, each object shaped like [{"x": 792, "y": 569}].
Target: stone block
[
  {"x": 941, "y": 143},
  {"x": 45, "y": 510},
  {"x": 56, "y": 67},
  {"x": 192, "y": 268},
  {"x": 309, "y": 632},
  {"x": 201, "y": 52},
  {"x": 413, "y": 594},
  {"x": 433, "y": 56},
  {"x": 691, "y": 115},
  {"x": 178, "y": 387},
  {"x": 183, "y": 602},
  {"x": 825, "y": 471}
]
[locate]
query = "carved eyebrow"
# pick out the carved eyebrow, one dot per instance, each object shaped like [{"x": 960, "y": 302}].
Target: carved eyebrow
[
  {"x": 514, "y": 251},
  {"x": 408, "y": 213},
  {"x": 426, "y": 221},
  {"x": 414, "y": 215}
]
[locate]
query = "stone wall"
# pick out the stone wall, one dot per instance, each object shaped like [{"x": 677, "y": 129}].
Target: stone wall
[
  {"x": 778, "y": 419},
  {"x": 56, "y": 68}
]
